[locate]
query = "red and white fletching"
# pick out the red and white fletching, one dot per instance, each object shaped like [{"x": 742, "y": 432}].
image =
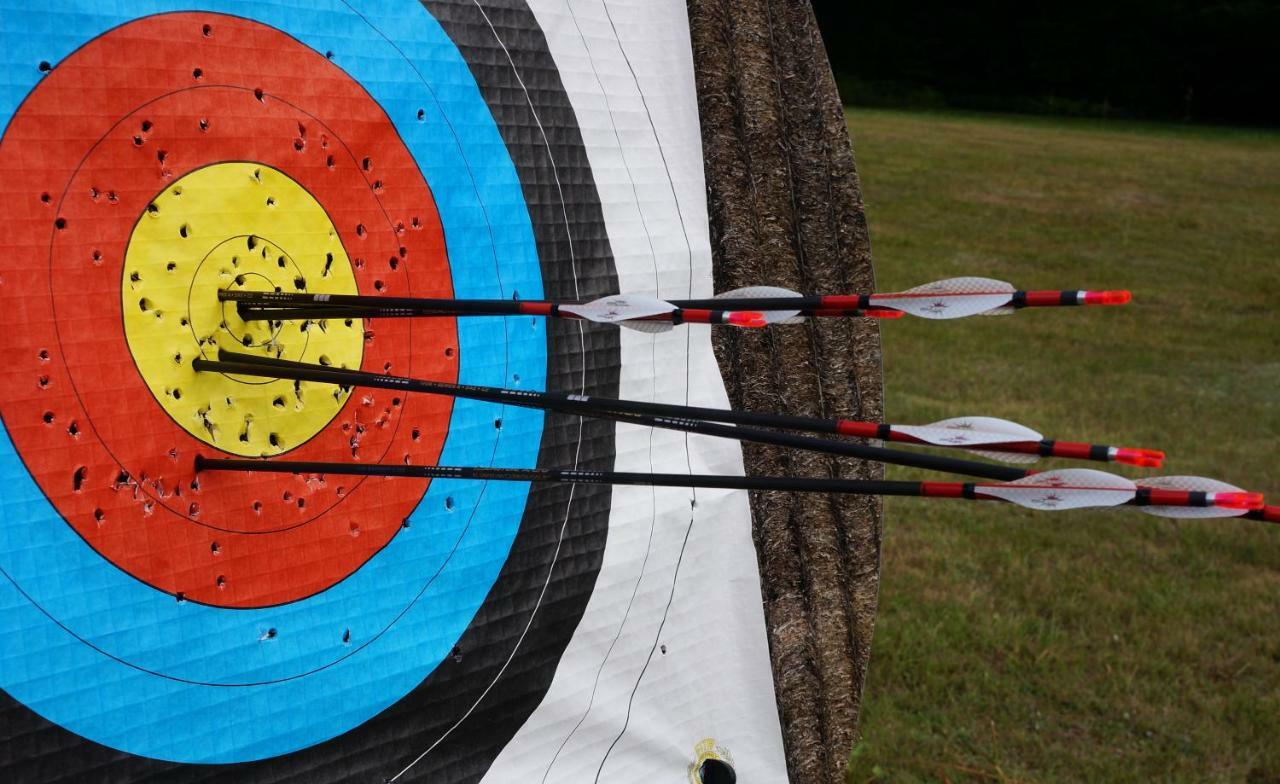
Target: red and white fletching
[
  {"x": 1190, "y": 484},
  {"x": 620, "y": 308},
  {"x": 768, "y": 292},
  {"x": 949, "y": 299},
  {"x": 1070, "y": 488}
]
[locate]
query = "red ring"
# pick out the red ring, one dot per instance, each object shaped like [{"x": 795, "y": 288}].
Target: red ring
[{"x": 60, "y": 318}]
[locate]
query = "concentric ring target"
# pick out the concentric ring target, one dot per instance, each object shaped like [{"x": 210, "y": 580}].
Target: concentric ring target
[
  {"x": 351, "y": 213},
  {"x": 213, "y": 150}
]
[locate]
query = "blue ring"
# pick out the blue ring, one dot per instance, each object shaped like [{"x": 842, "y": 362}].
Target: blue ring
[{"x": 92, "y": 649}]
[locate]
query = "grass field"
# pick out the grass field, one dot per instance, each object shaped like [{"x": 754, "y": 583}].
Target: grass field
[{"x": 1012, "y": 646}]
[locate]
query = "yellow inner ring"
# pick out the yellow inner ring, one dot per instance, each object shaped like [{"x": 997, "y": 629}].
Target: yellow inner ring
[{"x": 241, "y": 226}]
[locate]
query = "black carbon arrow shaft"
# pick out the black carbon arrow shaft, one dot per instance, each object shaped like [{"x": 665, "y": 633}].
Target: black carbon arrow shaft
[
  {"x": 702, "y": 421},
  {"x": 797, "y": 484}
]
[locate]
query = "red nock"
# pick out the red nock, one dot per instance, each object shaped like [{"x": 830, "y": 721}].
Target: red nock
[
  {"x": 1143, "y": 458},
  {"x": 1246, "y": 501},
  {"x": 1107, "y": 297}
]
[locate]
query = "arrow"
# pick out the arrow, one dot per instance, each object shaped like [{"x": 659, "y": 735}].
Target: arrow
[
  {"x": 1268, "y": 514},
  {"x": 1001, "y": 439},
  {"x": 634, "y": 412},
  {"x": 249, "y": 312},
  {"x": 1196, "y": 493},
  {"x": 944, "y": 299},
  {"x": 1051, "y": 491},
  {"x": 640, "y": 312}
]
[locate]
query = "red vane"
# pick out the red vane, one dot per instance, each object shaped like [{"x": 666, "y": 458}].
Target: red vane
[
  {"x": 878, "y": 313},
  {"x": 747, "y": 318}
]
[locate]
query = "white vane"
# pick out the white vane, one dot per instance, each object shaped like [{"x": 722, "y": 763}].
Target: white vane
[
  {"x": 619, "y": 308},
  {"x": 767, "y": 292},
  {"x": 966, "y": 432},
  {"x": 970, "y": 431},
  {"x": 1192, "y": 484},
  {"x": 1071, "y": 488},
  {"x": 949, "y": 299}
]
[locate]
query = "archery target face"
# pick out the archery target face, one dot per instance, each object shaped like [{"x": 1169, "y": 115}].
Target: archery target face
[
  {"x": 163, "y": 158},
  {"x": 160, "y": 625}
]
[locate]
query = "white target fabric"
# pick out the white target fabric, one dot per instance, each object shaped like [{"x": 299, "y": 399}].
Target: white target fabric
[{"x": 672, "y": 648}]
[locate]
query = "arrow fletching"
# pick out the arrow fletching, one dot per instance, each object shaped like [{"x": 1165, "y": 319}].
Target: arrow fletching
[
  {"x": 767, "y": 292},
  {"x": 967, "y": 432},
  {"x": 949, "y": 299},
  {"x": 748, "y": 318},
  {"x": 650, "y": 327},
  {"x": 1227, "y": 500},
  {"x": 618, "y": 308},
  {"x": 1071, "y": 488}
]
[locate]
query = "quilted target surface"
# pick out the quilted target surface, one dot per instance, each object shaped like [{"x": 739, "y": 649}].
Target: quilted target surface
[{"x": 163, "y": 625}]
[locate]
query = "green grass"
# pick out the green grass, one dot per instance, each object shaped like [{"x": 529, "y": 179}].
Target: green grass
[{"x": 1013, "y": 646}]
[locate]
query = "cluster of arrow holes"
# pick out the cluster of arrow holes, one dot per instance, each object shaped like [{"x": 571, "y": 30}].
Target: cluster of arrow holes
[{"x": 81, "y": 473}]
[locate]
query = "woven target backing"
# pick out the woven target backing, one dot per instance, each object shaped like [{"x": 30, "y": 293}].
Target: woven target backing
[{"x": 786, "y": 207}]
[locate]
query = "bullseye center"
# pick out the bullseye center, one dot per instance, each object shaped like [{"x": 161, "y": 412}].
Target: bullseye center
[{"x": 247, "y": 227}]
